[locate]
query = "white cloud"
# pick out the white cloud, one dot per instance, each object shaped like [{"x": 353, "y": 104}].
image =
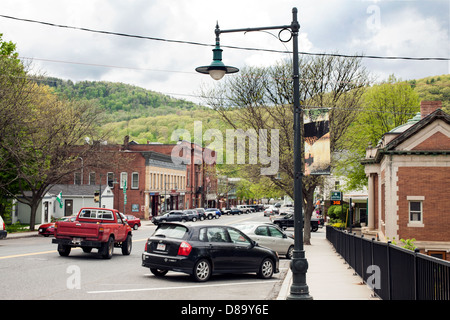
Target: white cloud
[{"x": 409, "y": 28}]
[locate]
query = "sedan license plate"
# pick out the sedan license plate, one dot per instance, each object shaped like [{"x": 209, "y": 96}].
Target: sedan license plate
[{"x": 161, "y": 247}]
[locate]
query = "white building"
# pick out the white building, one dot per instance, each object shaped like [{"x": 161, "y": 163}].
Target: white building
[{"x": 74, "y": 197}]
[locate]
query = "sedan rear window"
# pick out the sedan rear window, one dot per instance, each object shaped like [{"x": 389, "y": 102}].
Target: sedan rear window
[{"x": 170, "y": 231}]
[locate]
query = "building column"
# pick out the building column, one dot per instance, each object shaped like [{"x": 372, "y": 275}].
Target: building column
[
  {"x": 146, "y": 205},
  {"x": 371, "y": 206}
]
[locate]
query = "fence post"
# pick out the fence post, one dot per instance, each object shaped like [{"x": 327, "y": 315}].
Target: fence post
[
  {"x": 416, "y": 286},
  {"x": 354, "y": 256},
  {"x": 372, "y": 262},
  {"x": 362, "y": 257},
  {"x": 389, "y": 270}
]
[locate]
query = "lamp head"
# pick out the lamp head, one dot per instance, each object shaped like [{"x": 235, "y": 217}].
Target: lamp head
[{"x": 217, "y": 69}]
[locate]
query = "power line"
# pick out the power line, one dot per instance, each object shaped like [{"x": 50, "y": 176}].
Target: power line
[{"x": 229, "y": 47}]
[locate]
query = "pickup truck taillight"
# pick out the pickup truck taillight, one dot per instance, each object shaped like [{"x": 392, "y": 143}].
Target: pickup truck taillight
[
  {"x": 101, "y": 229},
  {"x": 184, "y": 249}
]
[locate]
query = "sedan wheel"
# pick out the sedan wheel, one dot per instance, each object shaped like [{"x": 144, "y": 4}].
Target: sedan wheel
[
  {"x": 290, "y": 252},
  {"x": 202, "y": 270},
  {"x": 266, "y": 269}
]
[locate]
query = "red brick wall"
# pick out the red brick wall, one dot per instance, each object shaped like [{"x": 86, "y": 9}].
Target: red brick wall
[
  {"x": 434, "y": 185},
  {"x": 134, "y": 196},
  {"x": 437, "y": 141},
  {"x": 428, "y": 107}
]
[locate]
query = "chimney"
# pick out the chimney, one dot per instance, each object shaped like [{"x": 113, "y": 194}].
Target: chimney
[
  {"x": 428, "y": 107},
  {"x": 126, "y": 142}
]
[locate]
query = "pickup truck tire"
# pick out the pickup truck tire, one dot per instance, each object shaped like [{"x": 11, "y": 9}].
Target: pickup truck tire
[
  {"x": 64, "y": 250},
  {"x": 107, "y": 249},
  {"x": 86, "y": 249},
  {"x": 127, "y": 245}
]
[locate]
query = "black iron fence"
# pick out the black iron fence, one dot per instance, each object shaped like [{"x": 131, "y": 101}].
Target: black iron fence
[{"x": 392, "y": 272}]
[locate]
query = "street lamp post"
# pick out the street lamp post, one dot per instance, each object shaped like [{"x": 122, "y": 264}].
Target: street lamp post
[{"x": 299, "y": 265}]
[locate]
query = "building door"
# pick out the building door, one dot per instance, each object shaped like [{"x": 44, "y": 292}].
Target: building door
[{"x": 68, "y": 207}]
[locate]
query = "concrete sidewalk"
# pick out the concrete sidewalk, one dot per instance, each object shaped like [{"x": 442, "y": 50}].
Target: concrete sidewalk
[{"x": 328, "y": 276}]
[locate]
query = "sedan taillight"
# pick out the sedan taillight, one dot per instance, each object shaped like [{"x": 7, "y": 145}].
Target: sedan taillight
[{"x": 184, "y": 249}]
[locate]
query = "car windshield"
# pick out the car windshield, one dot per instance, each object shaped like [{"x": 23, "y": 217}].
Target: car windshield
[{"x": 170, "y": 231}]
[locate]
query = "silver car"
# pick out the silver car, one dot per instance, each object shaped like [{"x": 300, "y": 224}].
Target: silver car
[{"x": 270, "y": 236}]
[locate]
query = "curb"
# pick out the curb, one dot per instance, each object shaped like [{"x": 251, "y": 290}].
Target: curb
[{"x": 284, "y": 290}]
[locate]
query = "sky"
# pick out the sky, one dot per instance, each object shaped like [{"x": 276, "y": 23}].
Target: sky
[{"x": 377, "y": 28}]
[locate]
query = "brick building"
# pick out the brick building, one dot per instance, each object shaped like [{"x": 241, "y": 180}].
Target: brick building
[
  {"x": 157, "y": 176},
  {"x": 409, "y": 182}
]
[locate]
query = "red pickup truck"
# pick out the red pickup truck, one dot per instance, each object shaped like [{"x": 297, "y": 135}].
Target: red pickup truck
[{"x": 98, "y": 228}]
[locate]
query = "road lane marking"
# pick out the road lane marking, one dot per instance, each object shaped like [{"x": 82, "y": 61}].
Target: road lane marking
[
  {"x": 27, "y": 254},
  {"x": 46, "y": 252},
  {"x": 186, "y": 287}
]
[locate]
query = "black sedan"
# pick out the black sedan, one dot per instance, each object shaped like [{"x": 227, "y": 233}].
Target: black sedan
[
  {"x": 172, "y": 216},
  {"x": 287, "y": 221},
  {"x": 203, "y": 250}
]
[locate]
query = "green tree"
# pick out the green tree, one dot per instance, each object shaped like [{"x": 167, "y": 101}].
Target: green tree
[
  {"x": 40, "y": 152},
  {"x": 13, "y": 97},
  {"x": 385, "y": 107},
  {"x": 262, "y": 98}
]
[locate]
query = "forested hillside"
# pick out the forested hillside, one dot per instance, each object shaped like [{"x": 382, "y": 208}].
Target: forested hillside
[
  {"x": 120, "y": 101},
  {"x": 434, "y": 88},
  {"x": 148, "y": 116}
]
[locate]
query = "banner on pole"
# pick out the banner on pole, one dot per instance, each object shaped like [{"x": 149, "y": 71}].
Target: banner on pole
[{"x": 317, "y": 141}]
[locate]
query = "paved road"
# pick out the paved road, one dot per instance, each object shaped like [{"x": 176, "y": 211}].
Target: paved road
[{"x": 30, "y": 268}]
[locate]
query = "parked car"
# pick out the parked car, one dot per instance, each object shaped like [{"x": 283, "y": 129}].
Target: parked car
[
  {"x": 48, "y": 229},
  {"x": 287, "y": 221},
  {"x": 174, "y": 215},
  {"x": 192, "y": 213},
  {"x": 217, "y": 212},
  {"x": 3, "y": 232},
  {"x": 257, "y": 207},
  {"x": 270, "y": 236},
  {"x": 233, "y": 211},
  {"x": 201, "y": 213},
  {"x": 134, "y": 222},
  {"x": 244, "y": 208},
  {"x": 270, "y": 210},
  {"x": 204, "y": 250}
]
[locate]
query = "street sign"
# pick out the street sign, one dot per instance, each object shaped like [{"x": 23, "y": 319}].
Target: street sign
[{"x": 336, "y": 195}]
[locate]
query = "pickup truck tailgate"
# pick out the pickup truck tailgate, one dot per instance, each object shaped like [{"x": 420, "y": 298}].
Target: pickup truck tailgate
[{"x": 77, "y": 229}]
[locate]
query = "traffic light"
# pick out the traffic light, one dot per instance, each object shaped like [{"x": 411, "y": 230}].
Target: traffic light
[{"x": 96, "y": 196}]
